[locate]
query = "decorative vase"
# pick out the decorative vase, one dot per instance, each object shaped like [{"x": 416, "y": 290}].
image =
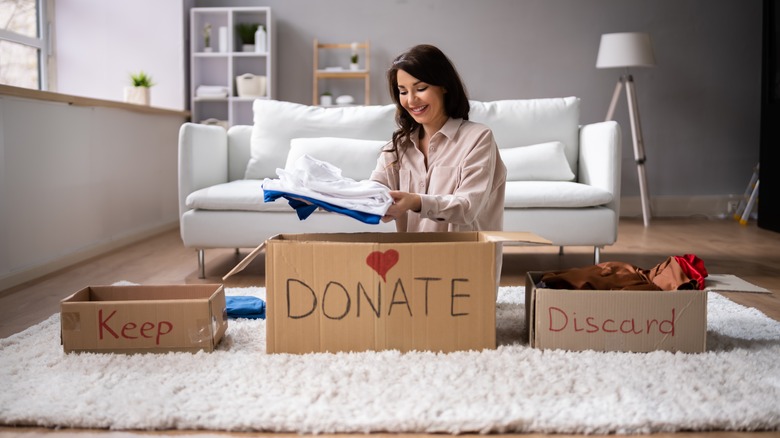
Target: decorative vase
[
  {"x": 260, "y": 40},
  {"x": 248, "y": 48},
  {"x": 137, "y": 95},
  {"x": 326, "y": 100},
  {"x": 223, "y": 39},
  {"x": 354, "y": 66}
]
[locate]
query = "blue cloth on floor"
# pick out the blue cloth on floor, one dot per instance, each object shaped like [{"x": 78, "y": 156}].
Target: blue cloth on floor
[
  {"x": 304, "y": 210},
  {"x": 244, "y": 307}
]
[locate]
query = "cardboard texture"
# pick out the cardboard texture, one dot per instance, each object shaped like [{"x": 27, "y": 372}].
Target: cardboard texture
[
  {"x": 143, "y": 319},
  {"x": 636, "y": 321},
  {"x": 380, "y": 291}
]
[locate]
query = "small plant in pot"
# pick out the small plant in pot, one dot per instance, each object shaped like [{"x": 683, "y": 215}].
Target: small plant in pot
[
  {"x": 353, "y": 60},
  {"x": 246, "y": 34},
  {"x": 139, "y": 92},
  {"x": 207, "y": 38},
  {"x": 326, "y": 99}
]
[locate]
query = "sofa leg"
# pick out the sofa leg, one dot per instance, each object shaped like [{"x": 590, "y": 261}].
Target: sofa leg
[
  {"x": 560, "y": 250},
  {"x": 238, "y": 252},
  {"x": 202, "y": 263},
  {"x": 596, "y": 255}
]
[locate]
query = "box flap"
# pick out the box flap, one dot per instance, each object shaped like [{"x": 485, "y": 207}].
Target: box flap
[
  {"x": 507, "y": 237},
  {"x": 731, "y": 283},
  {"x": 245, "y": 262},
  {"x": 218, "y": 316},
  {"x": 531, "y": 278},
  {"x": 515, "y": 237}
]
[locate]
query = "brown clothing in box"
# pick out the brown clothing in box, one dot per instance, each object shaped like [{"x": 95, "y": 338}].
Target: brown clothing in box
[{"x": 667, "y": 275}]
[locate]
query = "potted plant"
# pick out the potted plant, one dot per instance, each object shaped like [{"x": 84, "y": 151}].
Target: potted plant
[
  {"x": 246, "y": 33},
  {"x": 326, "y": 99},
  {"x": 207, "y": 38},
  {"x": 353, "y": 60},
  {"x": 138, "y": 92}
]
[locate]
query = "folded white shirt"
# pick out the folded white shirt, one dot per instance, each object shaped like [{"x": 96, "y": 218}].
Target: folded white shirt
[
  {"x": 211, "y": 90},
  {"x": 323, "y": 181}
]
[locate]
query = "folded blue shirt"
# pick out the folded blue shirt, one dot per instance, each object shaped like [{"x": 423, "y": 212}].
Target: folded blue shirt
[
  {"x": 244, "y": 307},
  {"x": 304, "y": 210}
]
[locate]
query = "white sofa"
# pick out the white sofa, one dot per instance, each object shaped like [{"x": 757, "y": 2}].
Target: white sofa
[{"x": 563, "y": 179}]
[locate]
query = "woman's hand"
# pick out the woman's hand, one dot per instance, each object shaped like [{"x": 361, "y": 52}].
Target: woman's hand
[{"x": 402, "y": 202}]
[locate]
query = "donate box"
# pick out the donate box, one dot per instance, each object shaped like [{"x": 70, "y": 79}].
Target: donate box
[
  {"x": 623, "y": 320},
  {"x": 143, "y": 319},
  {"x": 380, "y": 291}
]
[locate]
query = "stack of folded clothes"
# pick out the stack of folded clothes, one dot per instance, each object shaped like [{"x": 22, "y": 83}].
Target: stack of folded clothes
[
  {"x": 313, "y": 184},
  {"x": 211, "y": 91},
  {"x": 239, "y": 306}
]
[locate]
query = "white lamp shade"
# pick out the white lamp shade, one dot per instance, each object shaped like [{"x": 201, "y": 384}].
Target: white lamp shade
[{"x": 628, "y": 49}]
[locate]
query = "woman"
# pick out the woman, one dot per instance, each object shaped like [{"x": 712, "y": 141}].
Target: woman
[{"x": 444, "y": 171}]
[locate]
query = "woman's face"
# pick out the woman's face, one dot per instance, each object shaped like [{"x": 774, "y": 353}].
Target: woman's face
[{"x": 424, "y": 102}]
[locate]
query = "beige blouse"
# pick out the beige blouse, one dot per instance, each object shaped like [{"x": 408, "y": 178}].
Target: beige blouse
[{"x": 462, "y": 188}]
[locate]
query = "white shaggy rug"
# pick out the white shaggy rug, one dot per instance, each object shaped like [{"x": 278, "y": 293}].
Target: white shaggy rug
[{"x": 735, "y": 385}]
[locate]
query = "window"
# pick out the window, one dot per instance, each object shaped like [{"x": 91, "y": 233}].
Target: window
[{"x": 24, "y": 44}]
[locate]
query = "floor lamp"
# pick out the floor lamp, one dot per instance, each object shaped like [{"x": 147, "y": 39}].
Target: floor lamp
[{"x": 625, "y": 50}]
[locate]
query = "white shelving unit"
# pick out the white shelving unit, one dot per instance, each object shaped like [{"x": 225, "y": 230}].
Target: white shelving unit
[{"x": 219, "y": 68}]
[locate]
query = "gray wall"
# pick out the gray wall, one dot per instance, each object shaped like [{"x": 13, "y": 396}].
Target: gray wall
[{"x": 699, "y": 107}]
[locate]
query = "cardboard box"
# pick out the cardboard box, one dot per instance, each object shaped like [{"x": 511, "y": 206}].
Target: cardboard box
[
  {"x": 380, "y": 291},
  {"x": 144, "y": 319},
  {"x": 637, "y": 321}
]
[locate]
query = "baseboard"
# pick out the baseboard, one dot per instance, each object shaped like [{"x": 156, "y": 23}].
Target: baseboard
[
  {"x": 713, "y": 206},
  {"x": 12, "y": 279}
]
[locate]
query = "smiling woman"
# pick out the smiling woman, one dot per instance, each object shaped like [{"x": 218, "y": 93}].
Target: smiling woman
[{"x": 444, "y": 171}]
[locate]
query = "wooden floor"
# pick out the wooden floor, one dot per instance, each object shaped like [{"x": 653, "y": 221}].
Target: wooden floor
[{"x": 725, "y": 246}]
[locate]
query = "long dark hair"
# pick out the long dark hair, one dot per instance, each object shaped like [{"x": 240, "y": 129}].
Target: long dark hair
[{"x": 430, "y": 65}]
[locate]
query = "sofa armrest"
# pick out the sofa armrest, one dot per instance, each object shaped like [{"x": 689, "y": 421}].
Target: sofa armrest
[
  {"x": 203, "y": 159},
  {"x": 600, "y": 158}
]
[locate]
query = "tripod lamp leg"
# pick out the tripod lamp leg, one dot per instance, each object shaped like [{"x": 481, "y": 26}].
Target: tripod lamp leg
[{"x": 639, "y": 148}]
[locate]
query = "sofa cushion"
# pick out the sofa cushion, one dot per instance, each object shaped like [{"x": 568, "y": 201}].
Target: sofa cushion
[
  {"x": 523, "y": 122},
  {"x": 356, "y": 158},
  {"x": 539, "y": 162},
  {"x": 276, "y": 123},
  {"x": 560, "y": 194},
  {"x": 242, "y": 194}
]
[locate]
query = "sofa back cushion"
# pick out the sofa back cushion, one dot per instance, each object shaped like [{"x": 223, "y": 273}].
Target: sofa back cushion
[
  {"x": 538, "y": 162},
  {"x": 356, "y": 158},
  {"x": 525, "y": 122},
  {"x": 276, "y": 123}
]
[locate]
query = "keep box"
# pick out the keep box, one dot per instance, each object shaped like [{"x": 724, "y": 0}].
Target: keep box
[{"x": 144, "y": 318}]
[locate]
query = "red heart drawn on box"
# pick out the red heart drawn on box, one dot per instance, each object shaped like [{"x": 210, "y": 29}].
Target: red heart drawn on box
[{"x": 382, "y": 262}]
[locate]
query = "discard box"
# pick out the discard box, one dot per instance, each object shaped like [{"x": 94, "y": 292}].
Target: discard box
[
  {"x": 623, "y": 320},
  {"x": 380, "y": 291},
  {"x": 144, "y": 319}
]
